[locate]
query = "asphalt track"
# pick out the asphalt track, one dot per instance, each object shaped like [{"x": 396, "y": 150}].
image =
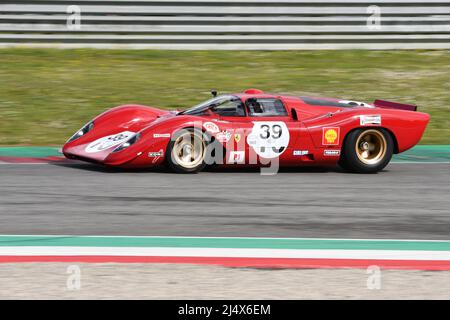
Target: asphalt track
[{"x": 405, "y": 201}]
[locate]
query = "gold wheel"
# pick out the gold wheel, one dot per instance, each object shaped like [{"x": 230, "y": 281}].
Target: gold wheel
[
  {"x": 189, "y": 150},
  {"x": 371, "y": 147}
]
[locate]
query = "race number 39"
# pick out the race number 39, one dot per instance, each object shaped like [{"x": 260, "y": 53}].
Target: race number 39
[
  {"x": 269, "y": 139},
  {"x": 275, "y": 131}
]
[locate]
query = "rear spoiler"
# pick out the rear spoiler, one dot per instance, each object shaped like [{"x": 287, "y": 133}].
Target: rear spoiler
[{"x": 394, "y": 105}]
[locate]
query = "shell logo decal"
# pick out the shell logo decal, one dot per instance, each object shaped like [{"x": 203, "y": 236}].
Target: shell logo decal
[{"x": 330, "y": 136}]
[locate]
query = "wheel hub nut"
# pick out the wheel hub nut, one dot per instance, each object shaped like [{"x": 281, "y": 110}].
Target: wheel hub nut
[
  {"x": 187, "y": 149},
  {"x": 365, "y": 146}
]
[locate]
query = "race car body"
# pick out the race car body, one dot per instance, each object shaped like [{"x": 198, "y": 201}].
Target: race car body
[{"x": 252, "y": 128}]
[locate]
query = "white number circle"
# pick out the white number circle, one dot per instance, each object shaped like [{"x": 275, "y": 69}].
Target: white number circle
[
  {"x": 269, "y": 139},
  {"x": 108, "y": 142}
]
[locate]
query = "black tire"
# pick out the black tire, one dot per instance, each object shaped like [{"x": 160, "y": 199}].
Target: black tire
[
  {"x": 175, "y": 162},
  {"x": 367, "y": 150}
]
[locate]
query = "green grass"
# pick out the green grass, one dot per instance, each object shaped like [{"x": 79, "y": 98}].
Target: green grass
[{"x": 47, "y": 94}]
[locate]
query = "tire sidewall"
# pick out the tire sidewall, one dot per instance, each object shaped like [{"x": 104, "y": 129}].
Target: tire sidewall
[
  {"x": 177, "y": 167},
  {"x": 350, "y": 160}
]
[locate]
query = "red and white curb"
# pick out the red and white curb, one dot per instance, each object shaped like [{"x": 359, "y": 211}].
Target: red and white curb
[
  {"x": 234, "y": 257},
  {"x": 231, "y": 252}
]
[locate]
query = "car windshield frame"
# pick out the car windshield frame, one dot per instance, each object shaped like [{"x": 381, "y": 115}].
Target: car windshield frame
[{"x": 211, "y": 103}]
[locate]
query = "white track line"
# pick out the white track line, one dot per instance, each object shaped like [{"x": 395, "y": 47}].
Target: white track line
[{"x": 227, "y": 252}]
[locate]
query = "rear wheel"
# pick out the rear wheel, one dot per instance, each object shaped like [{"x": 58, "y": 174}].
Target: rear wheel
[
  {"x": 186, "y": 151},
  {"x": 367, "y": 150}
]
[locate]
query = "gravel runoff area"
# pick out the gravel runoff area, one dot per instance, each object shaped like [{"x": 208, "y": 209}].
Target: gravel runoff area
[{"x": 168, "y": 281}]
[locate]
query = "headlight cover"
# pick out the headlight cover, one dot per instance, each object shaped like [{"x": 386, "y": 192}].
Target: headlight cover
[
  {"x": 88, "y": 127},
  {"x": 128, "y": 143}
]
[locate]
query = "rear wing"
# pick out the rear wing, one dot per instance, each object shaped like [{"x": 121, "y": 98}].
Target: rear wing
[{"x": 394, "y": 105}]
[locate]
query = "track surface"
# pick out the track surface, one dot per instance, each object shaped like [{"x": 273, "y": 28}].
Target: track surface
[
  {"x": 406, "y": 201},
  {"x": 169, "y": 281}
]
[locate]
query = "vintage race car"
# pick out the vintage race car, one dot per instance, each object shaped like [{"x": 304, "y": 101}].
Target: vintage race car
[{"x": 254, "y": 129}]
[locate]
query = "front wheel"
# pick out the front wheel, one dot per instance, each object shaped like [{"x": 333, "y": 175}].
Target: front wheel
[
  {"x": 186, "y": 151},
  {"x": 367, "y": 150}
]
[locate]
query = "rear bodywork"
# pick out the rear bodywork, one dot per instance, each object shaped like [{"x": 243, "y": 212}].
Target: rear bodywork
[{"x": 314, "y": 130}]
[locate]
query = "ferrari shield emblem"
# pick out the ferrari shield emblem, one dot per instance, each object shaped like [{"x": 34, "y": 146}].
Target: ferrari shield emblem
[{"x": 237, "y": 137}]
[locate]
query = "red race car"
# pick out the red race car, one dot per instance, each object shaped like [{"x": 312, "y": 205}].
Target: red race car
[{"x": 251, "y": 128}]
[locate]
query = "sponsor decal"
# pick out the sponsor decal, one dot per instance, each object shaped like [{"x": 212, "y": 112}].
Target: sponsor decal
[
  {"x": 109, "y": 141},
  {"x": 155, "y": 154},
  {"x": 223, "y": 136},
  {"x": 300, "y": 152},
  {"x": 332, "y": 153},
  {"x": 237, "y": 137},
  {"x": 236, "y": 157},
  {"x": 211, "y": 127},
  {"x": 269, "y": 139},
  {"x": 370, "y": 119},
  {"x": 161, "y": 135},
  {"x": 330, "y": 136}
]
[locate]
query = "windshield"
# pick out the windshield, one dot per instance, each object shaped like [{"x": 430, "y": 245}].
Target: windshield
[{"x": 214, "y": 103}]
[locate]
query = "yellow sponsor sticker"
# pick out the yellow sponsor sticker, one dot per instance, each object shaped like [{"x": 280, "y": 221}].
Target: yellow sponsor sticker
[{"x": 330, "y": 136}]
